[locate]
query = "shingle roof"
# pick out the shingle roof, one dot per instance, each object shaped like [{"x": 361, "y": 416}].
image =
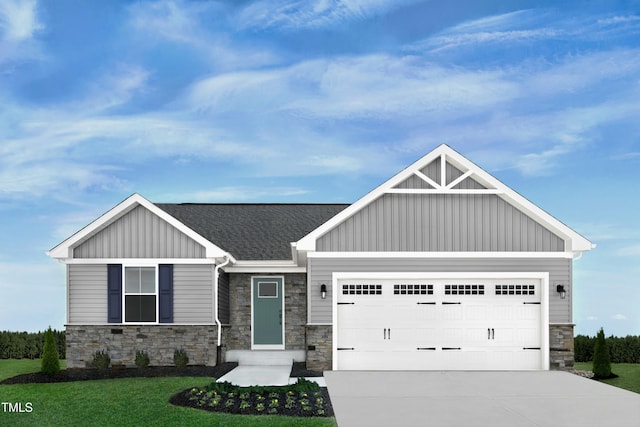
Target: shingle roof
[{"x": 253, "y": 231}]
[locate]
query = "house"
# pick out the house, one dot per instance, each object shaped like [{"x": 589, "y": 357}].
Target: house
[{"x": 440, "y": 267}]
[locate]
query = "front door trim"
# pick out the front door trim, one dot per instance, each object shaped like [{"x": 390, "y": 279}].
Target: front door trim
[{"x": 280, "y": 293}]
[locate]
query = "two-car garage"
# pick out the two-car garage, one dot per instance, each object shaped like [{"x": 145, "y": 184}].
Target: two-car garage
[{"x": 440, "y": 321}]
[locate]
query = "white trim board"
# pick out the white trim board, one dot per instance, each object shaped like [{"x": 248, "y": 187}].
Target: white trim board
[{"x": 397, "y": 255}]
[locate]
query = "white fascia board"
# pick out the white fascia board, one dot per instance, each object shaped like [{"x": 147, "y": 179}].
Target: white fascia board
[
  {"x": 65, "y": 249},
  {"x": 397, "y": 255},
  {"x": 308, "y": 242},
  {"x": 268, "y": 266},
  {"x": 141, "y": 261}
]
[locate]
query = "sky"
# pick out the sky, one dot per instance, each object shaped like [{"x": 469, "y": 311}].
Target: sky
[{"x": 315, "y": 101}]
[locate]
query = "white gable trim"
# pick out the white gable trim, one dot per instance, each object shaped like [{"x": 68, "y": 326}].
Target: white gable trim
[
  {"x": 574, "y": 242},
  {"x": 64, "y": 251}
]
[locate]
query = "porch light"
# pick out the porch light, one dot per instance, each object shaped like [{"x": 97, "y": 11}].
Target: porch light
[
  {"x": 561, "y": 291},
  {"x": 323, "y": 291}
]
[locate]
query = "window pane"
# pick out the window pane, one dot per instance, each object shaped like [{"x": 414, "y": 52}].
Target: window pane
[
  {"x": 132, "y": 279},
  {"x": 148, "y": 280},
  {"x": 140, "y": 308},
  {"x": 267, "y": 290}
]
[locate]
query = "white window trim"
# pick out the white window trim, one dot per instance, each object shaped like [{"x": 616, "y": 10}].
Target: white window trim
[{"x": 124, "y": 293}]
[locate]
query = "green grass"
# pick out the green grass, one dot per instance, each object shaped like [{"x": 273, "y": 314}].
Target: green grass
[
  {"x": 13, "y": 367},
  {"x": 122, "y": 402},
  {"x": 628, "y": 375}
]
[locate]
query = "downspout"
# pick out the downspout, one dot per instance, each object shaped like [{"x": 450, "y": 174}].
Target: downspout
[{"x": 216, "y": 318}]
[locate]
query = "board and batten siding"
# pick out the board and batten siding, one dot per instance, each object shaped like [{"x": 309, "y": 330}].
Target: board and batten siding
[
  {"x": 320, "y": 270},
  {"x": 87, "y": 288},
  {"x": 439, "y": 223},
  {"x": 192, "y": 293},
  {"x": 139, "y": 234}
]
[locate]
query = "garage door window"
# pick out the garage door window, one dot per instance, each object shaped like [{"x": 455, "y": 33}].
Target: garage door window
[
  {"x": 361, "y": 289},
  {"x": 464, "y": 289},
  {"x": 412, "y": 289},
  {"x": 515, "y": 290}
]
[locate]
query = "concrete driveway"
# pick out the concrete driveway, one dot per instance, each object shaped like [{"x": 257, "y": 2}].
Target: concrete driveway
[{"x": 510, "y": 399}]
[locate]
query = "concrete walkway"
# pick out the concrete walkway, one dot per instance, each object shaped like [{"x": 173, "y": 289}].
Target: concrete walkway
[{"x": 509, "y": 399}]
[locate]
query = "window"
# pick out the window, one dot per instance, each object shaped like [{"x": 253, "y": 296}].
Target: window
[
  {"x": 362, "y": 289},
  {"x": 464, "y": 289},
  {"x": 140, "y": 294},
  {"x": 515, "y": 290},
  {"x": 267, "y": 290},
  {"x": 411, "y": 289}
]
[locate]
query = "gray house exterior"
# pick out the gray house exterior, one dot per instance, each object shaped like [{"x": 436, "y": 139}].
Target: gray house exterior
[{"x": 440, "y": 267}]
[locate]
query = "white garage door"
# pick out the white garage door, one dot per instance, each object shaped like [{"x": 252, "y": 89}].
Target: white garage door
[{"x": 439, "y": 324}]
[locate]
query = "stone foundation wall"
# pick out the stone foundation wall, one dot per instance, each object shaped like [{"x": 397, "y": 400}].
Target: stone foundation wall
[
  {"x": 238, "y": 334},
  {"x": 319, "y": 347},
  {"x": 561, "y": 352},
  {"x": 159, "y": 341}
]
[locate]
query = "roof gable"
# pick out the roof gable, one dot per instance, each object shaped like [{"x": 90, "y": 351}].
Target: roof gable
[
  {"x": 446, "y": 172},
  {"x": 65, "y": 249}
]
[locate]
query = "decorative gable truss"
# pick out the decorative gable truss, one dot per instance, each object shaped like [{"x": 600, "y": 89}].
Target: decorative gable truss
[{"x": 443, "y": 203}]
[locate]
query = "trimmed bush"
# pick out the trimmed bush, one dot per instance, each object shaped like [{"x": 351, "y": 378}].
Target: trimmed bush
[
  {"x": 180, "y": 358},
  {"x": 601, "y": 357},
  {"x": 50, "y": 357},
  {"x": 101, "y": 360},
  {"x": 142, "y": 359}
]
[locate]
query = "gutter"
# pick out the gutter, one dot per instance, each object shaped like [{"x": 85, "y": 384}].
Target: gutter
[{"x": 216, "y": 274}]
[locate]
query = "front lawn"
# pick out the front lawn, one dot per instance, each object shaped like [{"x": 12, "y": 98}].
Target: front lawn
[
  {"x": 122, "y": 402},
  {"x": 628, "y": 375}
]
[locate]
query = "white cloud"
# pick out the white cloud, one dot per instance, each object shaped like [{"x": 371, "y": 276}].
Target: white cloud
[
  {"x": 19, "y": 24},
  {"x": 619, "y": 317},
  {"x": 632, "y": 251},
  {"x": 312, "y": 13},
  {"x": 234, "y": 194},
  {"x": 18, "y": 20},
  {"x": 592, "y": 317}
]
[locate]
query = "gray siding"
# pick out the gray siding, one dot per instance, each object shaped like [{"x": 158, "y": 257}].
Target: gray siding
[
  {"x": 139, "y": 234},
  {"x": 440, "y": 223},
  {"x": 87, "y": 287},
  {"x": 192, "y": 293},
  {"x": 320, "y": 270}
]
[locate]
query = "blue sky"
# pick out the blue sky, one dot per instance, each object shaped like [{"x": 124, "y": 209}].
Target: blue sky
[{"x": 315, "y": 101}]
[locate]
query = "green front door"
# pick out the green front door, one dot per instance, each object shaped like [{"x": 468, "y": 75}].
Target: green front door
[{"x": 267, "y": 312}]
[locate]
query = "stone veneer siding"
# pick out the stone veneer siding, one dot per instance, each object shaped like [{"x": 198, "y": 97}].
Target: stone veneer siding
[
  {"x": 159, "y": 341},
  {"x": 237, "y": 336},
  {"x": 561, "y": 351},
  {"x": 319, "y": 347}
]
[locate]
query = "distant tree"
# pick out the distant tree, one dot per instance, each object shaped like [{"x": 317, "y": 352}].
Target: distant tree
[
  {"x": 601, "y": 357},
  {"x": 50, "y": 357}
]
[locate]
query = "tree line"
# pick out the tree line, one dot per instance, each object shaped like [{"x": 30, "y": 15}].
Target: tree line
[
  {"x": 28, "y": 345},
  {"x": 621, "y": 349}
]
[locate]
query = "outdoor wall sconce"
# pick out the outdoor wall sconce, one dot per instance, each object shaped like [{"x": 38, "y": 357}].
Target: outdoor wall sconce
[
  {"x": 561, "y": 291},
  {"x": 323, "y": 291}
]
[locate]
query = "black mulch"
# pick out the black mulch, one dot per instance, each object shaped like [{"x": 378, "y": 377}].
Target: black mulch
[
  {"x": 182, "y": 399},
  {"x": 84, "y": 374},
  {"x": 300, "y": 370}
]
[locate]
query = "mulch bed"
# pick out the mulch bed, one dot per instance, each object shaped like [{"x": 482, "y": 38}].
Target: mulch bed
[
  {"x": 183, "y": 399},
  {"x": 85, "y": 374}
]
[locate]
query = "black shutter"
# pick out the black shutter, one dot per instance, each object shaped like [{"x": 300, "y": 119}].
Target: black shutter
[
  {"x": 165, "y": 292},
  {"x": 114, "y": 293}
]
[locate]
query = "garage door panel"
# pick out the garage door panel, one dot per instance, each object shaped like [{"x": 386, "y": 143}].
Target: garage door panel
[{"x": 442, "y": 324}]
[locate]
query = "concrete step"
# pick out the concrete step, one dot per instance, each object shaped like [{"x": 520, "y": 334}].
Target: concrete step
[{"x": 265, "y": 357}]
